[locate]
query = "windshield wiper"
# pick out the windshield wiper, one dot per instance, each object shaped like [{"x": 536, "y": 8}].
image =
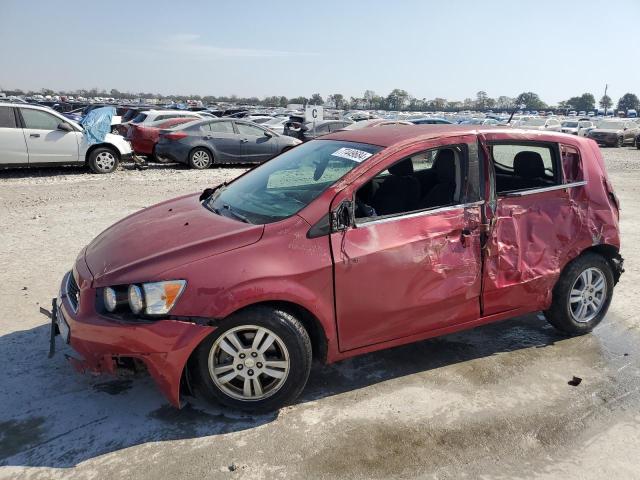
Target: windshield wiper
[
  {"x": 239, "y": 216},
  {"x": 207, "y": 192}
]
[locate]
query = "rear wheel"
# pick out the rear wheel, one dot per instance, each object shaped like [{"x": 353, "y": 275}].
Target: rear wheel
[
  {"x": 258, "y": 361},
  {"x": 620, "y": 142},
  {"x": 200, "y": 158},
  {"x": 582, "y": 295},
  {"x": 103, "y": 160}
]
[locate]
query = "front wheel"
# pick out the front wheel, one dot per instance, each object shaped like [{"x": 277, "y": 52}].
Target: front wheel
[
  {"x": 582, "y": 295},
  {"x": 103, "y": 160},
  {"x": 200, "y": 159},
  {"x": 258, "y": 361}
]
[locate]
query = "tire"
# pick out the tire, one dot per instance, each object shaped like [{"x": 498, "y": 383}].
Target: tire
[
  {"x": 103, "y": 160},
  {"x": 638, "y": 143},
  {"x": 115, "y": 130},
  {"x": 565, "y": 311},
  {"x": 620, "y": 142},
  {"x": 200, "y": 158},
  {"x": 288, "y": 344}
]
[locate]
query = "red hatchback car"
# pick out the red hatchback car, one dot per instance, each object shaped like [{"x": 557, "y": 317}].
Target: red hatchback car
[
  {"x": 358, "y": 241},
  {"x": 143, "y": 137}
]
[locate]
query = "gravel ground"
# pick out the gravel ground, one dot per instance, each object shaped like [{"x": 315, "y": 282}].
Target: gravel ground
[{"x": 493, "y": 402}]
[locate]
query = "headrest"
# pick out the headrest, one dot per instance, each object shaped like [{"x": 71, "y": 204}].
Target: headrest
[
  {"x": 445, "y": 166},
  {"x": 528, "y": 165},
  {"x": 402, "y": 169}
]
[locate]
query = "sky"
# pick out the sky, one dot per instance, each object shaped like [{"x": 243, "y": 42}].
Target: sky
[{"x": 447, "y": 48}]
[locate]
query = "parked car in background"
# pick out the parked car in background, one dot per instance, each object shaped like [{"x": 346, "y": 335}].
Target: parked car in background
[
  {"x": 638, "y": 141},
  {"x": 615, "y": 132},
  {"x": 576, "y": 127},
  {"x": 259, "y": 119},
  {"x": 305, "y": 131},
  {"x": 430, "y": 121},
  {"x": 150, "y": 116},
  {"x": 337, "y": 248},
  {"x": 201, "y": 144},
  {"x": 276, "y": 124},
  {"x": 33, "y": 136},
  {"x": 549, "y": 124},
  {"x": 144, "y": 136},
  {"x": 377, "y": 122}
]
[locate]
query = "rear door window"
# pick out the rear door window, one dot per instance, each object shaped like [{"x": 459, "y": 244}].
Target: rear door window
[
  {"x": 221, "y": 127},
  {"x": 245, "y": 129},
  {"x": 524, "y": 166},
  {"x": 7, "y": 118},
  {"x": 39, "y": 120}
]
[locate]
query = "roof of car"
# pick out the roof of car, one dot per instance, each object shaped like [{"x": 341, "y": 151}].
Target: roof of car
[{"x": 395, "y": 135}]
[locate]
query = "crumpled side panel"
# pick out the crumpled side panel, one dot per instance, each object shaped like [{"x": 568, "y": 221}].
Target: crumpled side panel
[
  {"x": 97, "y": 124},
  {"x": 535, "y": 236}
]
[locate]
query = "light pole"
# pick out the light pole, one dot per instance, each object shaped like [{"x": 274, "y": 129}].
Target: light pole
[{"x": 606, "y": 86}]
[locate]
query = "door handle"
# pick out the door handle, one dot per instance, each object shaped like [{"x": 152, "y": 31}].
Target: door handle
[
  {"x": 244, "y": 140},
  {"x": 207, "y": 137},
  {"x": 35, "y": 135}
]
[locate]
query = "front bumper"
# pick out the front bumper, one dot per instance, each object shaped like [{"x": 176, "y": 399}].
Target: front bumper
[{"x": 164, "y": 346}]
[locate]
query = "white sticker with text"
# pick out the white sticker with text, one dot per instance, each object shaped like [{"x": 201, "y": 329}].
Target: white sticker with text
[{"x": 352, "y": 154}]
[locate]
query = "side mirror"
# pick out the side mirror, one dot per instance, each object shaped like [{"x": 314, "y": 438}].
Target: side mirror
[
  {"x": 341, "y": 217},
  {"x": 65, "y": 127},
  {"x": 268, "y": 134}
]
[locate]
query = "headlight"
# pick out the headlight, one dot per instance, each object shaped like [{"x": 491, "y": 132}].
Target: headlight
[
  {"x": 160, "y": 297},
  {"x": 136, "y": 303},
  {"x": 110, "y": 299}
]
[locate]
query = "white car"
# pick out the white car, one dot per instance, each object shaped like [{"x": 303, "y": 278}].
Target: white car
[
  {"x": 577, "y": 127},
  {"x": 32, "y": 135},
  {"x": 276, "y": 124},
  {"x": 551, "y": 124}
]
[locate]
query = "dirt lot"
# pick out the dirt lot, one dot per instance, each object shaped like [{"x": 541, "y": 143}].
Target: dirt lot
[{"x": 493, "y": 402}]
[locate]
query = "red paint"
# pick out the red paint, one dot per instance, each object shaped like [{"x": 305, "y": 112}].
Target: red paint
[
  {"x": 143, "y": 138},
  {"x": 395, "y": 282}
]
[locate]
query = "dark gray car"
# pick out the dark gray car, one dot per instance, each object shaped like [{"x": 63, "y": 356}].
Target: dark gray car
[
  {"x": 615, "y": 133},
  {"x": 203, "y": 143}
]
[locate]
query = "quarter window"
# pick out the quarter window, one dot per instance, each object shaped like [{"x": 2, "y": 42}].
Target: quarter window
[
  {"x": 523, "y": 167},
  {"x": 7, "y": 118},
  {"x": 39, "y": 120},
  {"x": 571, "y": 163}
]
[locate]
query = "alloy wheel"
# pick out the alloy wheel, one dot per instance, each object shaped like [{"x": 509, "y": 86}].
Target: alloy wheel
[
  {"x": 249, "y": 363},
  {"x": 588, "y": 295},
  {"x": 105, "y": 161},
  {"x": 200, "y": 159}
]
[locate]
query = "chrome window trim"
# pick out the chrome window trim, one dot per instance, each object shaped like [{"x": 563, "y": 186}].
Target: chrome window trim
[
  {"x": 523, "y": 193},
  {"x": 420, "y": 213}
]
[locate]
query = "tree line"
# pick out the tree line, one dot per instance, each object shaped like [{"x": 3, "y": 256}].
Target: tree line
[{"x": 396, "y": 100}]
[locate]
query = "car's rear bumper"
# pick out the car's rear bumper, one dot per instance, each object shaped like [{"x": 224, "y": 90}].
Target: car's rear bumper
[
  {"x": 164, "y": 346},
  {"x": 168, "y": 152}
]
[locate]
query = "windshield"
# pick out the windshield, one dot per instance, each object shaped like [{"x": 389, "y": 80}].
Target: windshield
[
  {"x": 570, "y": 124},
  {"x": 139, "y": 118},
  {"x": 291, "y": 181}
]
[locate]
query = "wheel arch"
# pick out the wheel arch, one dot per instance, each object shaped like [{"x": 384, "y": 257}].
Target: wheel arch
[
  {"x": 95, "y": 146},
  {"x": 208, "y": 148},
  {"x": 310, "y": 322},
  {"x": 611, "y": 253}
]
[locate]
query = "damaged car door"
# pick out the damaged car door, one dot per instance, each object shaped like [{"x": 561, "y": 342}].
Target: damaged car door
[
  {"x": 534, "y": 222},
  {"x": 407, "y": 252}
]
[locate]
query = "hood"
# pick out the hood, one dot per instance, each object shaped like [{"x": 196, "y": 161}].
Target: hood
[{"x": 143, "y": 245}]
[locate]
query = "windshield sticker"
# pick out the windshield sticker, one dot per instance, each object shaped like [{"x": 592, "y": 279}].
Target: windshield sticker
[{"x": 352, "y": 154}]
